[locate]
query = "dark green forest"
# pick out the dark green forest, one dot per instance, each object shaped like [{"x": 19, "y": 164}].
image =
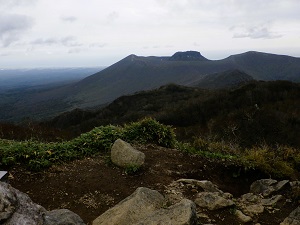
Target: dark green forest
[{"x": 256, "y": 113}]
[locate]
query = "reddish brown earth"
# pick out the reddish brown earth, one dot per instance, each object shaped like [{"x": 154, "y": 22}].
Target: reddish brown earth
[{"x": 90, "y": 186}]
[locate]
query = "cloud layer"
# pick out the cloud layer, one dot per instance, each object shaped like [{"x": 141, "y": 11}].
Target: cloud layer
[
  {"x": 42, "y": 32},
  {"x": 12, "y": 26}
]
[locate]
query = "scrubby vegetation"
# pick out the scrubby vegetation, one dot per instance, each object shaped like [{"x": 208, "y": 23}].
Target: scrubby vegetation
[
  {"x": 38, "y": 155},
  {"x": 278, "y": 161},
  {"x": 254, "y": 114}
]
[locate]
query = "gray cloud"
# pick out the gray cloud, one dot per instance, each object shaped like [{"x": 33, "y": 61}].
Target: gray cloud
[
  {"x": 111, "y": 17},
  {"x": 16, "y": 3},
  {"x": 70, "y": 19},
  {"x": 68, "y": 41},
  {"x": 75, "y": 50},
  {"x": 97, "y": 45},
  {"x": 4, "y": 54},
  {"x": 253, "y": 32},
  {"x": 12, "y": 26}
]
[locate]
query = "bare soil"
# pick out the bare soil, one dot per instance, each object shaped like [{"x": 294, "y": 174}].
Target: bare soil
[{"x": 90, "y": 186}]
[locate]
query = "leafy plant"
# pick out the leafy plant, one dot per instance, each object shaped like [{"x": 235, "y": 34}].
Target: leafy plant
[
  {"x": 270, "y": 161},
  {"x": 150, "y": 130},
  {"x": 132, "y": 169}
]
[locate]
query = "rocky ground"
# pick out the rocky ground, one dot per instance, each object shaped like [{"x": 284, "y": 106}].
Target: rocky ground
[{"x": 90, "y": 186}]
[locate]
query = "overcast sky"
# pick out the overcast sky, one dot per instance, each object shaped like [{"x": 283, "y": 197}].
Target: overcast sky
[{"x": 47, "y": 33}]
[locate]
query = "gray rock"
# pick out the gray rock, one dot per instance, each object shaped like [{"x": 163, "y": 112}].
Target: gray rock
[
  {"x": 182, "y": 213},
  {"x": 242, "y": 217},
  {"x": 206, "y": 185},
  {"x": 293, "y": 218},
  {"x": 253, "y": 210},
  {"x": 16, "y": 208},
  {"x": 272, "y": 201},
  {"x": 267, "y": 187},
  {"x": 132, "y": 209},
  {"x": 124, "y": 155},
  {"x": 62, "y": 217},
  {"x": 250, "y": 198},
  {"x": 213, "y": 200}
]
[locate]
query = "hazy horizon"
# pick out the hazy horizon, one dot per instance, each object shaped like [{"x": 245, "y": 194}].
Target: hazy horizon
[{"x": 76, "y": 33}]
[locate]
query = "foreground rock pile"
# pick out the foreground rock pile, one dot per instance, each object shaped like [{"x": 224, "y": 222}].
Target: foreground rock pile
[
  {"x": 148, "y": 207},
  {"x": 184, "y": 202},
  {"x": 16, "y": 208},
  {"x": 264, "y": 196}
]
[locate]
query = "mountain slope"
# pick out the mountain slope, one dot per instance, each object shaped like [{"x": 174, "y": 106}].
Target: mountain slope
[
  {"x": 264, "y": 66},
  {"x": 135, "y": 73},
  {"x": 140, "y": 73},
  {"x": 255, "y": 113},
  {"x": 226, "y": 79}
]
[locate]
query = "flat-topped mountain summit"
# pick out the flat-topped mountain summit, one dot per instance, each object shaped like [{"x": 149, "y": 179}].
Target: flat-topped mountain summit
[{"x": 188, "y": 56}]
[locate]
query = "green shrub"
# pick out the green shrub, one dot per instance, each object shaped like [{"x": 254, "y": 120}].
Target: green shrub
[
  {"x": 270, "y": 161},
  {"x": 132, "y": 169},
  {"x": 208, "y": 149},
  {"x": 150, "y": 130},
  {"x": 36, "y": 155}
]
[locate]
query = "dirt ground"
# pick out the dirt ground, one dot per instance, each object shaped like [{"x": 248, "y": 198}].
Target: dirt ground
[{"x": 90, "y": 186}]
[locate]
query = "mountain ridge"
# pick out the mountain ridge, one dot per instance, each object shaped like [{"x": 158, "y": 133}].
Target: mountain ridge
[{"x": 136, "y": 73}]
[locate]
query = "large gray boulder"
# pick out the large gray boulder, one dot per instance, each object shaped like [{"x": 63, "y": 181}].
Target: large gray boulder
[
  {"x": 146, "y": 207},
  {"x": 132, "y": 209},
  {"x": 16, "y": 208},
  {"x": 182, "y": 213},
  {"x": 124, "y": 155},
  {"x": 62, "y": 217}
]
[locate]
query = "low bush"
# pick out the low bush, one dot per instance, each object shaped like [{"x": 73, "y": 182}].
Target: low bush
[
  {"x": 280, "y": 162},
  {"x": 150, "y": 130},
  {"x": 209, "y": 149},
  {"x": 36, "y": 155}
]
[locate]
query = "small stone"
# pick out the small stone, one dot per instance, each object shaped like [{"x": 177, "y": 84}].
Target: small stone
[
  {"x": 253, "y": 210},
  {"x": 267, "y": 187},
  {"x": 250, "y": 197},
  {"x": 206, "y": 185},
  {"x": 242, "y": 217},
  {"x": 272, "y": 201},
  {"x": 213, "y": 200}
]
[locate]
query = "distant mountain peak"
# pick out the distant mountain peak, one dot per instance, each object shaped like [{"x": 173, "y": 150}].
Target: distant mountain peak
[{"x": 188, "y": 56}]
